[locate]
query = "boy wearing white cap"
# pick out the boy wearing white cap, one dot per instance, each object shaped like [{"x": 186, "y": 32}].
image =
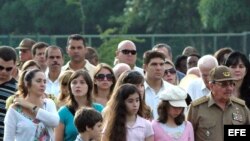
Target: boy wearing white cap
[{"x": 171, "y": 124}]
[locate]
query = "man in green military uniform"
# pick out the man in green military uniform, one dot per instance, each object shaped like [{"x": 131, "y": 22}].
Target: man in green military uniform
[{"x": 210, "y": 113}]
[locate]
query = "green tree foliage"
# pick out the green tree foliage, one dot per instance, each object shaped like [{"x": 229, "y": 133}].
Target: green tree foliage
[
  {"x": 15, "y": 18},
  {"x": 225, "y": 15},
  {"x": 43, "y": 17},
  {"x": 165, "y": 16},
  {"x": 97, "y": 14}
]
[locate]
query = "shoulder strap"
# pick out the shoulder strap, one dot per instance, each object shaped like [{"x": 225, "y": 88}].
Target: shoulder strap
[
  {"x": 200, "y": 101},
  {"x": 239, "y": 101}
]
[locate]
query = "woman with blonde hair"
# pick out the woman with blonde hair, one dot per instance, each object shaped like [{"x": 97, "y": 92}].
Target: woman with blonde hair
[
  {"x": 29, "y": 65},
  {"x": 64, "y": 92}
]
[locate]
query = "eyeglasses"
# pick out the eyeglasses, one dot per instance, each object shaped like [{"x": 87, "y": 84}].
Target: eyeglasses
[
  {"x": 101, "y": 77},
  {"x": 225, "y": 84},
  {"x": 171, "y": 71},
  {"x": 6, "y": 69},
  {"x": 126, "y": 51}
]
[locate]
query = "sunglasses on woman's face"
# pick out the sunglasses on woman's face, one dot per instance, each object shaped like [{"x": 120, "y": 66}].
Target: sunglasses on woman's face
[
  {"x": 171, "y": 71},
  {"x": 102, "y": 77}
]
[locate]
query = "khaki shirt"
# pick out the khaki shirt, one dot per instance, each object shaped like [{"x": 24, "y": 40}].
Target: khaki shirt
[
  {"x": 208, "y": 119},
  {"x": 88, "y": 67}
]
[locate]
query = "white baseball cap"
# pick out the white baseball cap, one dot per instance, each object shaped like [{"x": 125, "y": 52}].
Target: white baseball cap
[{"x": 175, "y": 95}]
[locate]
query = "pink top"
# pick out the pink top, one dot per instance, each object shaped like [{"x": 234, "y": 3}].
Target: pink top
[
  {"x": 160, "y": 134},
  {"x": 140, "y": 130}
]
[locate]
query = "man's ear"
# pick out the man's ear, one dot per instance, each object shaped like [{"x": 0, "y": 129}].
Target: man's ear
[
  {"x": 116, "y": 53},
  {"x": 211, "y": 85},
  {"x": 67, "y": 50}
]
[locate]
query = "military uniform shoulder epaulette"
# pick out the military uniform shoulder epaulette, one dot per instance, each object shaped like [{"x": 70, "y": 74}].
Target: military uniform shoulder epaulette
[
  {"x": 199, "y": 101},
  {"x": 239, "y": 101}
]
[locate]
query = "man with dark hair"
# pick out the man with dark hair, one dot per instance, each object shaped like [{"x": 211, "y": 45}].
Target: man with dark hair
[
  {"x": 181, "y": 63},
  {"x": 8, "y": 59},
  {"x": 54, "y": 61},
  {"x": 153, "y": 64},
  {"x": 38, "y": 54},
  {"x": 76, "y": 49}
]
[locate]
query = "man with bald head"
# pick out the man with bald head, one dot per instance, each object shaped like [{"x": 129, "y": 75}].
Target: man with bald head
[
  {"x": 118, "y": 69},
  {"x": 126, "y": 53},
  {"x": 200, "y": 87}
]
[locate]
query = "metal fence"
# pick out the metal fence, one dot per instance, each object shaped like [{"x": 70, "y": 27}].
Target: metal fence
[{"x": 205, "y": 43}]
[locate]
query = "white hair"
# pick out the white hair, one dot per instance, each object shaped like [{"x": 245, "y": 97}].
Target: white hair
[{"x": 207, "y": 61}]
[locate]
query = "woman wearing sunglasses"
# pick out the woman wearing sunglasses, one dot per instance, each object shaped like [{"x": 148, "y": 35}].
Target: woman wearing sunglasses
[
  {"x": 104, "y": 82},
  {"x": 170, "y": 73}
]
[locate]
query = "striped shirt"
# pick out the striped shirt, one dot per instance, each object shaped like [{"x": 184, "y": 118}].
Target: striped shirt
[{"x": 6, "y": 89}]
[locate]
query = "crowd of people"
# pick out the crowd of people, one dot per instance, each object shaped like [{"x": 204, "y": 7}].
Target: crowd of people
[{"x": 43, "y": 98}]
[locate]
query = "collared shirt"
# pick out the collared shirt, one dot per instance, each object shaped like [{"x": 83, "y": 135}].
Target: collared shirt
[
  {"x": 52, "y": 87},
  {"x": 88, "y": 67},
  {"x": 197, "y": 89},
  {"x": 140, "y": 130},
  {"x": 208, "y": 119},
  {"x": 78, "y": 138},
  {"x": 152, "y": 98}
]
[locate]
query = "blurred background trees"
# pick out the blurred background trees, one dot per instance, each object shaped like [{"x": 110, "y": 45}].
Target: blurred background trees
[
  {"x": 127, "y": 16},
  {"x": 112, "y": 17}
]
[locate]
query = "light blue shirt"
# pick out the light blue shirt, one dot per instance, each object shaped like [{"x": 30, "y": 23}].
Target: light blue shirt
[{"x": 197, "y": 89}]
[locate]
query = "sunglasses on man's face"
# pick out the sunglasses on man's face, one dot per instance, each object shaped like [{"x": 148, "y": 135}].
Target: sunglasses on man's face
[
  {"x": 126, "y": 51},
  {"x": 170, "y": 71},
  {"x": 6, "y": 69},
  {"x": 102, "y": 77}
]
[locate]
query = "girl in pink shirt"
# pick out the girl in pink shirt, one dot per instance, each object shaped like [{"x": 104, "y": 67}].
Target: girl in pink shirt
[
  {"x": 171, "y": 124},
  {"x": 122, "y": 117}
]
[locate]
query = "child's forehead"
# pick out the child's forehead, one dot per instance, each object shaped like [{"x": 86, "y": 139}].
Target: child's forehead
[{"x": 133, "y": 95}]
